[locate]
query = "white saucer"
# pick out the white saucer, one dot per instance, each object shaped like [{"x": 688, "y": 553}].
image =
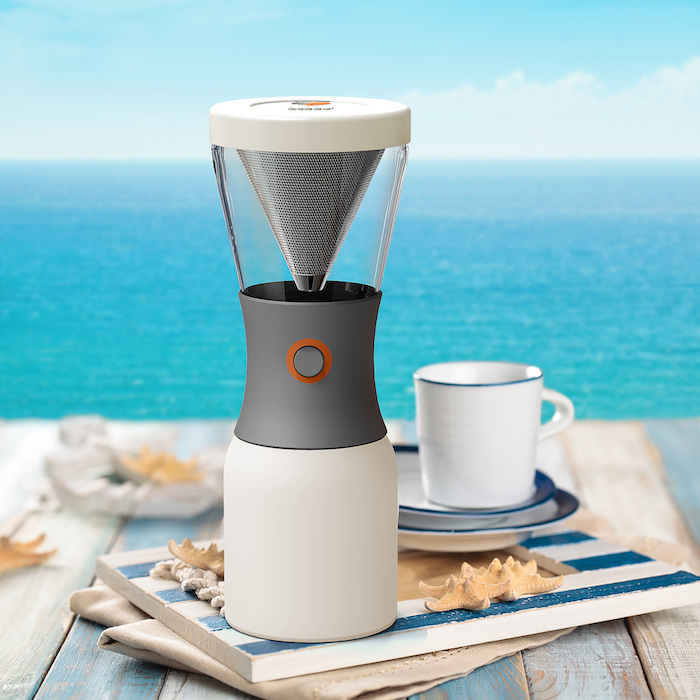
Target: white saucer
[
  {"x": 416, "y": 511},
  {"x": 440, "y": 523},
  {"x": 473, "y": 540}
]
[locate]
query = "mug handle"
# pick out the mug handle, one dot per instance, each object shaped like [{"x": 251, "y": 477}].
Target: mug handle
[{"x": 563, "y": 415}]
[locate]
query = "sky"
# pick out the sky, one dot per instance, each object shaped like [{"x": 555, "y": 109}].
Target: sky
[{"x": 134, "y": 79}]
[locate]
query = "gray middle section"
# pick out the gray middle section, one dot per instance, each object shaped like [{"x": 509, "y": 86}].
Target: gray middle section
[{"x": 340, "y": 410}]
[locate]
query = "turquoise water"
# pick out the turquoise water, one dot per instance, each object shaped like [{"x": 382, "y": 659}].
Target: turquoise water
[{"x": 118, "y": 291}]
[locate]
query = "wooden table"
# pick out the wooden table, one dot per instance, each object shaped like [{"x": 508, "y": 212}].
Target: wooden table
[{"x": 644, "y": 477}]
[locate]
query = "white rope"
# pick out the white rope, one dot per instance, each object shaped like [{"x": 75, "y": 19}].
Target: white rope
[{"x": 206, "y": 585}]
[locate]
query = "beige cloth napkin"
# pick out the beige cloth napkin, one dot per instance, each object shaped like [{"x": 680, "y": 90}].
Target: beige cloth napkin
[{"x": 133, "y": 633}]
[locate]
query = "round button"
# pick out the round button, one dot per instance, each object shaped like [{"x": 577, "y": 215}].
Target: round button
[{"x": 308, "y": 361}]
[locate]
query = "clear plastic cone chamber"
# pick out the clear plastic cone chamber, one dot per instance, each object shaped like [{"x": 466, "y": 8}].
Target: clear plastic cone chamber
[{"x": 310, "y": 218}]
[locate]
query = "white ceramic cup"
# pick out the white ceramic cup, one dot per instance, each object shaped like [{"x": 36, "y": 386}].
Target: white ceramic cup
[{"x": 478, "y": 426}]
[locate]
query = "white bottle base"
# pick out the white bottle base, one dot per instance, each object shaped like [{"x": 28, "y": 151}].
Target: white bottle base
[
  {"x": 311, "y": 541},
  {"x": 315, "y": 641}
]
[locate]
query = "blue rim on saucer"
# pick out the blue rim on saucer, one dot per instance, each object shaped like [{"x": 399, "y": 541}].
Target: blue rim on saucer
[
  {"x": 431, "y": 521},
  {"x": 544, "y": 491},
  {"x": 567, "y": 505}
]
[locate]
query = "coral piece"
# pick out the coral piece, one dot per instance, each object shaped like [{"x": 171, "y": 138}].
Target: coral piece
[
  {"x": 206, "y": 585},
  {"x": 467, "y": 593},
  {"x": 523, "y": 577},
  {"x": 163, "y": 569},
  {"x": 15, "y": 555},
  {"x": 210, "y": 559},
  {"x": 161, "y": 467}
]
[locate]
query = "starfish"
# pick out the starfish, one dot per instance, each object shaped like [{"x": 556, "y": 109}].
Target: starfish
[
  {"x": 466, "y": 592},
  {"x": 14, "y": 555},
  {"x": 162, "y": 468},
  {"x": 523, "y": 577},
  {"x": 472, "y": 589},
  {"x": 439, "y": 591},
  {"x": 210, "y": 559}
]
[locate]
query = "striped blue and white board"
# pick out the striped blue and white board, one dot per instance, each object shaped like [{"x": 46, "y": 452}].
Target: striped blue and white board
[{"x": 603, "y": 581}]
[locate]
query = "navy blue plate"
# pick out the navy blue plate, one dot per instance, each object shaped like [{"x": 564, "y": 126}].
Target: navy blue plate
[{"x": 562, "y": 506}]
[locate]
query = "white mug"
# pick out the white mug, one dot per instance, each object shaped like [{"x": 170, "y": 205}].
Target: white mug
[{"x": 478, "y": 426}]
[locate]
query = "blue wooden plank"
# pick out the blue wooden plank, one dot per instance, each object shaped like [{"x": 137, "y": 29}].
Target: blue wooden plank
[
  {"x": 175, "y": 595},
  {"x": 191, "y": 686},
  {"x": 595, "y": 661},
  {"x": 607, "y": 561},
  {"x": 502, "y": 680},
  {"x": 136, "y": 570},
  {"x": 88, "y": 672},
  {"x": 214, "y": 623},
  {"x": 678, "y": 442},
  {"x": 552, "y": 540}
]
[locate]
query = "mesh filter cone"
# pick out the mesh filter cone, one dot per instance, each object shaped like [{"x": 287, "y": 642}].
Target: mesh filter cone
[{"x": 310, "y": 201}]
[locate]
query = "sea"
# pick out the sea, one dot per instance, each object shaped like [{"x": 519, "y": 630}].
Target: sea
[{"x": 118, "y": 292}]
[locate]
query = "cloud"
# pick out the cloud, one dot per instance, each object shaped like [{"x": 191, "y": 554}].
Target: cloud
[{"x": 573, "y": 117}]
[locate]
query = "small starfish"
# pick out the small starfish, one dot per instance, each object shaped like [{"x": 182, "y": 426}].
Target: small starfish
[
  {"x": 473, "y": 588},
  {"x": 467, "y": 593},
  {"x": 161, "y": 467},
  {"x": 523, "y": 577},
  {"x": 14, "y": 555},
  {"x": 439, "y": 591},
  {"x": 210, "y": 559}
]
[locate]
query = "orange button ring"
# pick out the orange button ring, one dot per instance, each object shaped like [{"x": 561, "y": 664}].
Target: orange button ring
[{"x": 315, "y": 368}]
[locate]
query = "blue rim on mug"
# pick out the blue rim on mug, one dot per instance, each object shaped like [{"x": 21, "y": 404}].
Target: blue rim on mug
[{"x": 539, "y": 373}]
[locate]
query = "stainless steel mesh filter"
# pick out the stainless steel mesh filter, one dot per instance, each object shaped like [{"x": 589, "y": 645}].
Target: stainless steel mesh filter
[{"x": 310, "y": 201}]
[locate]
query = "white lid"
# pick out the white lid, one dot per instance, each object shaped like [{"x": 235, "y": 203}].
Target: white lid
[{"x": 309, "y": 125}]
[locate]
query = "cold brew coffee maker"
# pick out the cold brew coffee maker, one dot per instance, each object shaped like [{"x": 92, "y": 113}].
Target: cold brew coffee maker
[{"x": 310, "y": 189}]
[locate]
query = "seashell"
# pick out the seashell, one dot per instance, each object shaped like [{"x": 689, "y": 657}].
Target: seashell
[
  {"x": 473, "y": 588},
  {"x": 159, "y": 467},
  {"x": 210, "y": 559},
  {"x": 15, "y": 555}
]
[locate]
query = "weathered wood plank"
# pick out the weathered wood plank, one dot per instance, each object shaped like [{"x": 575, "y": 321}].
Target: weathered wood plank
[
  {"x": 191, "y": 686},
  {"x": 622, "y": 477},
  {"x": 34, "y": 601},
  {"x": 678, "y": 442},
  {"x": 552, "y": 458},
  {"x": 89, "y": 672},
  {"x": 501, "y": 680},
  {"x": 667, "y": 643},
  {"x": 597, "y": 661},
  {"x": 141, "y": 533}
]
